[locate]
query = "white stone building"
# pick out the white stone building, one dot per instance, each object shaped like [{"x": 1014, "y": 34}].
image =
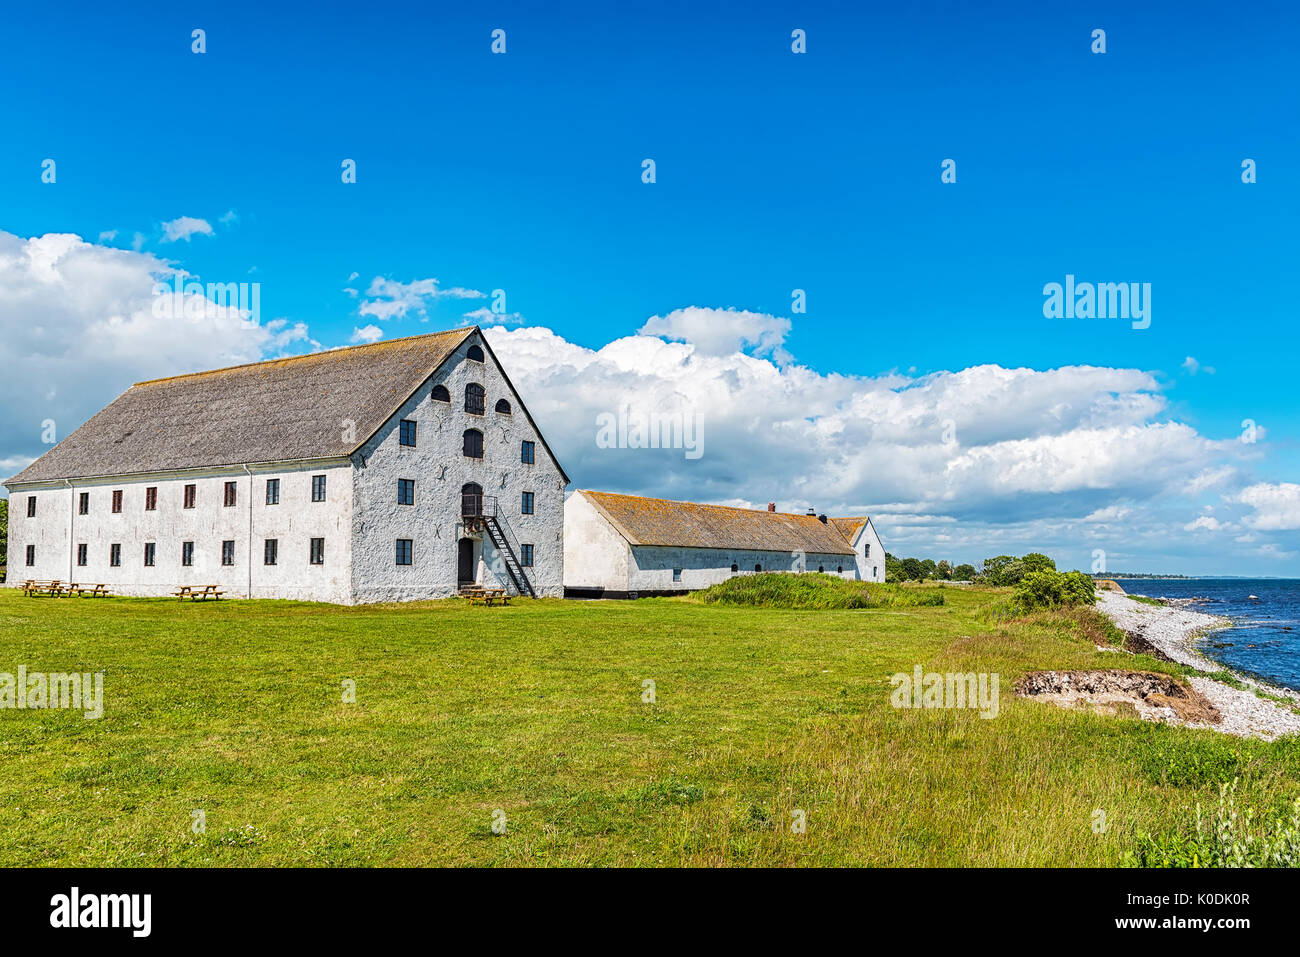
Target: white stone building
[
  {"x": 868, "y": 552},
  {"x": 621, "y": 545},
  {"x": 393, "y": 471}
]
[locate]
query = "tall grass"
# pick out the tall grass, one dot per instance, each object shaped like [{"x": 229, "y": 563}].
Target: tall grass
[{"x": 814, "y": 591}]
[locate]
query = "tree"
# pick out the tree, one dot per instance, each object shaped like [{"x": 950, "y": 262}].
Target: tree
[
  {"x": 1038, "y": 562},
  {"x": 994, "y": 568},
  {"x": 928, "y": 568},
  {"x": 943, "y": 571},
  {"x": 912, "y": 569},
  {"x": 964, "y": 573}
]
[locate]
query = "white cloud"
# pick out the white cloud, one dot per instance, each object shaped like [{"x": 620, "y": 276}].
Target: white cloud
[
  {"x": 1276, "y": 506},
  {"x": 79, "y": 326},
  {"x": 721, "y": 332},
  {"x": 1193, "y": 366},
  {"x": 485, "y": 316},
  {"x": 369, "y": 333},
  {"x": 108, "y": 235},
  {"x": 390, "y": 299},
  {"x": 1207, "y": 522},
  {"x": 185, "y": 227},
  {"x": 228, "y": 218}
]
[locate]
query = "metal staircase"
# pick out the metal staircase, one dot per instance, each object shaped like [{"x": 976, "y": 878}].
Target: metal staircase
[{"x": 481, "y": 511}]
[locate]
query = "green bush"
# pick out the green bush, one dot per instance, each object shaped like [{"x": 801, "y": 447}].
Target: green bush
[
  {"x": 1232, "y": 839},
  {"x": 813, "y": 590},
  {"x": 1052, "y": 589}
]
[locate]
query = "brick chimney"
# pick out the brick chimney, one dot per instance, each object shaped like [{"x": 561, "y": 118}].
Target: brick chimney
[
  {"x": 822, "y": 519},
  {"x": 811, "y": 510},
  {"x": 771, "y": 506}
]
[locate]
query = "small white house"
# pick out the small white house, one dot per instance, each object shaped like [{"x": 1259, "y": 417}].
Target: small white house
[
  {"x": 618, "y": 546},
  {"x": 870, "y": 554}
]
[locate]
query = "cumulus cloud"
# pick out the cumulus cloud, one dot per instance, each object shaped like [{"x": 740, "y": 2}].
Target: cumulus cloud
[
  {"x": 368, "y": 333},
  {"x": 80, "y": 323},
  {"x": 1207, "y": 522},
  {"x": 185, "y": 227},
  {"x": 1193, "y": 366},
  {"x": 390, "y": 299},
  {"x": 721, "y": 332},
  {"x": 1276, "y": 506},
  {"x": 483, "y": 316}
]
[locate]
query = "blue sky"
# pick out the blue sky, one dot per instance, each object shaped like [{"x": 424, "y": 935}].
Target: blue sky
[{"x": 775, "y": 171}]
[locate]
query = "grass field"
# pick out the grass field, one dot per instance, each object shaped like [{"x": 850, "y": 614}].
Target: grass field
[{"x": 536, "y": 711}]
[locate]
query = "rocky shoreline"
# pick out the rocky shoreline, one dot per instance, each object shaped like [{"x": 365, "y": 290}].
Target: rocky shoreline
[{"x": 1172, "y": 632}]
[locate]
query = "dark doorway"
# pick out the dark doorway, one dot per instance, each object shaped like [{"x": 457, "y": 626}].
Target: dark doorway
[{"x": 465, "y": 562}]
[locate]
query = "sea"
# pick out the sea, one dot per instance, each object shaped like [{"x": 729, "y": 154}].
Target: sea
[{"x": 1264, "y": 639}]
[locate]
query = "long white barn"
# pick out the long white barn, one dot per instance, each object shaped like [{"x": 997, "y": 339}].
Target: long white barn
[{"x": 393, "y": 471}]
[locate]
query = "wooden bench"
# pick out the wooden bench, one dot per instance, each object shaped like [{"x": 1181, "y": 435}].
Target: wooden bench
[
  {"x": 35, "y": 587},
  {"x": 198, "y": 593},
  {"x": 486, "y": 596},
  {"x": 94, "y": 591}
]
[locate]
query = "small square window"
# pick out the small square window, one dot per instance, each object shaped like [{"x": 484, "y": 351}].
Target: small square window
[
  {"x": 187, "y": 554},
  {"x": 117, "y": 500},
  {"x": 406, "y": 491},
  {"x": 406, "y": 432},
  {"x": 318, "y": 488},
  {"x": 149, "y": 550},
  {"x": 272, "y": 491},
  {"x": 526, "y": 556},
  {"x": 677, "y": 574},
  {"x": 270, "y": 551},
  {"x": 31, "y": 555},
  {"x": 191, "y": 493},
  {"x": 318, "y": 551},
  {"x": 526, "y": 505},
  {"x": 31, "y": 506},
  {"x": 229, "y": 499},
  {"x": 404, "y": 550},
  {"x": 115, "y": 555},
  {"x": 151, "y": 498},
  {"x": 82, "y": 555},
  {"x": 527, "y": 452},
  {"x": 228, "y": 552},
  {"x": 83, "y": 504}
]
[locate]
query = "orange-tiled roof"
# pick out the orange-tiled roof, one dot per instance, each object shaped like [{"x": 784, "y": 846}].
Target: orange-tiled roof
[
  {"x": 657, "y": 521},
  {"x": 849, "y": 527}
]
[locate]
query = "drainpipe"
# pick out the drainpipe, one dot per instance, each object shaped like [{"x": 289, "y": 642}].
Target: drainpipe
[
  {"x": 250, "y": 530},
  {"x": 72, "y": 518}
]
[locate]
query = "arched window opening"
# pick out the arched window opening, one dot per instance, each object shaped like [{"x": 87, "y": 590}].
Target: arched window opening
[
  {"x": 503, "y": 406},
  {"x": 440, "y": 394},
  {"x": 471, "y": 499},
  {"x": 474, "y": 354},
  {"x": 474, "y": 399},
  {"x": 758, "y": 568},
  {"x": 734, "y": 568},
  {"x": 473, "y": 445}
]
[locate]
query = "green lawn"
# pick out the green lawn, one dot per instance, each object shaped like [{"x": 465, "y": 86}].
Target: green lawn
[{"x": 536, "y": 710}]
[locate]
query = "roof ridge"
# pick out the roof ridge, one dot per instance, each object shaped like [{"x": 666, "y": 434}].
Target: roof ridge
[
  {"x": 466, "y": 330},
  {"x": 678, "y": 501}
]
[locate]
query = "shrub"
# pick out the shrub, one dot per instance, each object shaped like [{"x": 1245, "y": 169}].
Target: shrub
[
  {"x": 1052, "y": 589},
  {"x": 1232, "y": 839},
  {"x": 813, "y": 590}
]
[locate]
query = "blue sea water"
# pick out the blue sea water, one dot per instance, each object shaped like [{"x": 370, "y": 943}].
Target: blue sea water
[{"x": 1264, "y": 639}]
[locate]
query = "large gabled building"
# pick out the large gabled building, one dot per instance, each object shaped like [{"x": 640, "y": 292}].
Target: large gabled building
[
  {"x": 625, "y": 545},
  {"x": 393, "y": 471}
]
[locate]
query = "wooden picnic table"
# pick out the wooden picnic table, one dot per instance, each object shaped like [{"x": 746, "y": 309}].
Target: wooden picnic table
[
  {"x": 94, "y": 591},
  {"x": 479, "y": 595},
  {"x": 198, "y": 592},
  {"x": 34, "y": 586}
]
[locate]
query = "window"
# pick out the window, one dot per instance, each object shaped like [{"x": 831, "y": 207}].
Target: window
[
  {"x": 81, "y": 554},
  {"x": 318, "y": 488},
  {"x": 821, "y": 568},
  {"x": 526, "y": 556},
  {"x": 406, "y": 432},
  {"x": 318, "y": 551},
  {"x": 117, "y": 500},
  {"x": 839, "y": 570},
  {"x": 149, "y": 549},
  {"x": 734, "y": 568},
  {"x": 190, "y": 493},
  {"x": 404, "y": 550},
  {"x": 228, "y": 552},
  {"x": 151, "y": 498},
  {"x": 270, "y": 551},
  {"x": 31, "y": 506},
  {"x": 115, "y": 555},
  {"x": 503, "y": 406},
  {"x": 758, "y": 568},
  {"x": 475, "y": 399},
  {"x": 527, "y": 504},
  {"x": 187, "y": 554},
  {"x": 677, "y": 574},
  {"x": 272, "y": 491},
  {"x": 440, "y": 394},
  {"x": 866, "y": 550},
  {"x": 874, "y": 569},
  {"x": 230, "y": 495},
  {"x": 83, "y": 504},
  {"x": 474, "y": 354},
  {"x": 406, "y": 491},
  {"x": 526, "y": 453},
  {"x": 473, "y": 445},
  {"x": 31, "y": 555}
]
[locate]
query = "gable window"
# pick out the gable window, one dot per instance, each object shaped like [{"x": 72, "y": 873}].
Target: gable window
[
  {"x": 474, "y": 354},
  {"x": 406, "y": 432},
  {"x": 229, "y": 495},
  {"x": 677, "y": 574},
  {"x": 503, "y": 406},
  {"x": 83, "y": 504},
  {"x": 191, "y": 492},
  {"x": 115, "y": 555},
  {"x": 404, "y": 549},
  {"x": 31, "y": 506},
  {"x": 228, "y": 552},
  {"x": 81, "y": 554},
  {"x": 318, "y": 488},
  {"x": 475, "y": 399},
  {"x": 187, "y": 553},
  {"x": 149, "y": 549},
  {"x": 270, "y": 551},
  {"x": 117, "y": 500},
  {"x": 151, "y": 498},
  {"x": 526, "y": 452},
  {"x": 406, "y": 491},
  {"x": 272, "y": 491},
  {"x": 526, "y": 556},
  {"x": 866, "y": 550},
  {"x": 31, "y": 555},
  {"x": 318, "y": 551},
  {"x": 440, "y": 394},
  {"x": 473, "y": 444},
  {"x": 526, "y": 506}
]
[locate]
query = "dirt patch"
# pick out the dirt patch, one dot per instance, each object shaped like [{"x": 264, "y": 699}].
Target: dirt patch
[
  {"x": 1135, "y": 642},
  {"x": 1153, "y": 697},
  {"x": 1106, "y": 584}
]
